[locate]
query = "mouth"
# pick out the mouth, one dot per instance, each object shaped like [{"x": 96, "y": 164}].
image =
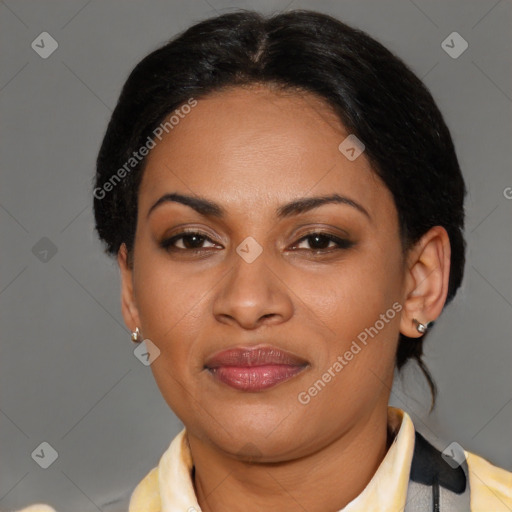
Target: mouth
[{"x": 254, "y": 369}]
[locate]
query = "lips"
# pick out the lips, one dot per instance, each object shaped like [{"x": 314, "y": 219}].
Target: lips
[{"x": 254, "y": 369}]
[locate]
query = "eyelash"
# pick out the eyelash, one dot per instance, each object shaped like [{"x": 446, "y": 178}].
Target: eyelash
[{"x": 342, "y": 243}]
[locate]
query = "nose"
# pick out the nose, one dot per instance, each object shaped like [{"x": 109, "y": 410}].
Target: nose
[{"x": 253, "y": 295}]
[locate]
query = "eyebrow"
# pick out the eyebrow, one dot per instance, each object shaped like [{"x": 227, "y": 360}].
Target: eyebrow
[{"x": 208, "y": 208}]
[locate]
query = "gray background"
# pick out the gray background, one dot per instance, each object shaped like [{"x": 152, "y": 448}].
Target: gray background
[{"x": 68, "y": 373}]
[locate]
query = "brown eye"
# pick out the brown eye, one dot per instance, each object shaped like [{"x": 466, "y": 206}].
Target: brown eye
[
  {"x": 185, "y": 241},
  {"x": 325, "y": 242}
]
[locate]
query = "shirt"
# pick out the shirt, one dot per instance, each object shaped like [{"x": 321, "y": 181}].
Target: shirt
[{"x": 169, "y": 486}]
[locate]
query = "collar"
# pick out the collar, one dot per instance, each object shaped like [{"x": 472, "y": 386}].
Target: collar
[{"x": 386, "y": 491}]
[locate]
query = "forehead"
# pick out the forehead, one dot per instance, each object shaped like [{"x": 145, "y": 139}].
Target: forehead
[{"x": 253, "y": 146}]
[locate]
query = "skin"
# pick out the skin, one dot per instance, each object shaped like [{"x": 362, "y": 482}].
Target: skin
[{"x": 251, "y": 150}]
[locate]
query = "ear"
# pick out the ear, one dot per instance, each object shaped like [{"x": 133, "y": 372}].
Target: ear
[
  {"x": 128, "y": 303},
  {"x": 426, "y": 282}
]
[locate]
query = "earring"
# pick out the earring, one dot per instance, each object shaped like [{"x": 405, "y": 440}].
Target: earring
[
  {"x": 136, "y": 335},
  {"x": 422, "y": 327}
]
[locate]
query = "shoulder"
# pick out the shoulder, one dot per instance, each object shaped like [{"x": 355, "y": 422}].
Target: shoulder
[
  {"x": 146, "y": 496},
  {"x": 491, "y": 486},
  {"x": 38, "y": 507}
]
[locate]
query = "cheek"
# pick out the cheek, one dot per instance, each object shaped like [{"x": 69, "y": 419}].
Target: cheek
[
  {"x": 353, "y": 295},
  {"x": 168, "y": 296},
  {"x": 359, "y": 303},
  {"x": 355, "y": 362},
  {"x": 171, "y": 309}
]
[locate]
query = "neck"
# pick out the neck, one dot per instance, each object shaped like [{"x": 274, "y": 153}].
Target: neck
[{"x": 327, "y": 479}]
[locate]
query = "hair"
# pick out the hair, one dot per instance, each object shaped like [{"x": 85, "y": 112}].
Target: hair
[{"x": 376, "y": 96}]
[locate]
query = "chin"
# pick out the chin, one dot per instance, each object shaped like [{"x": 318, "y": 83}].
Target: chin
[
  {"x": 262, "y": 448},
  {"x": 264, "y": 436}
]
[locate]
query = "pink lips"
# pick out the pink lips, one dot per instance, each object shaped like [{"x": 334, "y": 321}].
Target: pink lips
[{"x": 254, "y": 369}]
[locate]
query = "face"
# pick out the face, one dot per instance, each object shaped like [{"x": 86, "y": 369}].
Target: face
[{"x": 309, "y": 281}]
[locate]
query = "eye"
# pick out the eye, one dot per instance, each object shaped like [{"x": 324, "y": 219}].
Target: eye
[
  {"x": 324, "y": 242},
  {"x": 186, "y": 241}
]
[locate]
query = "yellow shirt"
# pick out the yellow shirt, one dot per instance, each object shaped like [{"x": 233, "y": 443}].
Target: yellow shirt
[{"x": 169, "y": 486}]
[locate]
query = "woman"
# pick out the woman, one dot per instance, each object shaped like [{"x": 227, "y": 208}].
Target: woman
[{"x": 286, "y": 207}]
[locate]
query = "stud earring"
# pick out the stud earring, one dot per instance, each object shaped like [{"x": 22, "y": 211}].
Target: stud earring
[
  {"x": 422, "y": 327},
  {"x": 136, "y": 335}
]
